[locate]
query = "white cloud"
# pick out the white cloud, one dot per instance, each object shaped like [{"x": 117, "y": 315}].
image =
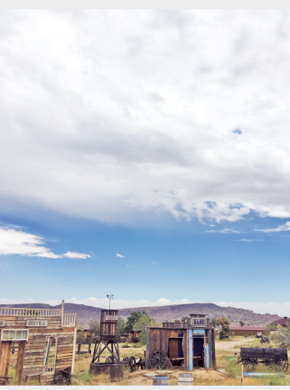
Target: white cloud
[
  {"x": 248, "y": 240},
  {"x": 17, "y": 242},
  {"x": 92, "y": 299},
  {"x": 225, "y": 230},
  {"x": 142, "y": 120},
  {"x": 75, "y": 255},
  {"x": 118, "y": 255},
  {"x": 281, "y": 228},
  {"x": 163, "y": 300}
]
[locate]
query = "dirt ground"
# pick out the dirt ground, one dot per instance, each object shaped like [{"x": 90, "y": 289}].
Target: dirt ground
[{"x": 231, "y": 344}]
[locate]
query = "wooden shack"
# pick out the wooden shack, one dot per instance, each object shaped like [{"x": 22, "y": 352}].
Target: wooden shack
[
  {"x": 45, "y": 340},
  {"x": 190, "y": 344},
  {"x": 132, "y": 336}
]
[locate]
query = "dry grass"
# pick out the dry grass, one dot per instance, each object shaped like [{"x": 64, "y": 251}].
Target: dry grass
[{"x": 202, "y": 377}]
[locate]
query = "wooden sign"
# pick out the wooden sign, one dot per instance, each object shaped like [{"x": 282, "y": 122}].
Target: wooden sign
[
  {"x": 2, "y": 323},
  {"x": 36, "y": 323},
  {"x": 111, "y": 317},
  {"x": 198, "y": 322}
]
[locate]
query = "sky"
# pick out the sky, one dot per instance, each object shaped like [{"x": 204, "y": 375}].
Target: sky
[{"x": 145, "y": 154}]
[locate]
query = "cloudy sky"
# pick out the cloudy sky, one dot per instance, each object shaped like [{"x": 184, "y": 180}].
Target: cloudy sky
[{"x": 145, "y": 154}]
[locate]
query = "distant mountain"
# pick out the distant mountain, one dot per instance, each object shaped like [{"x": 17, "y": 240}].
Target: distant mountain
[{"x": 162, "y": 313}]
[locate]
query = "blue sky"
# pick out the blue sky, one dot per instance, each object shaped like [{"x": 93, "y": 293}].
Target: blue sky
[{"x": 145, "y": 154}]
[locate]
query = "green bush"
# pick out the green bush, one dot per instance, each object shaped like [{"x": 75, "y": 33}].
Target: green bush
[{"x": 85, "y": 377}]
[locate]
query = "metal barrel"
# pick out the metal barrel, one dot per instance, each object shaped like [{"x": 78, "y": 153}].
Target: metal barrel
[
  {"x": 185, "y": 380},
  {"x": 160, "y": 381}
]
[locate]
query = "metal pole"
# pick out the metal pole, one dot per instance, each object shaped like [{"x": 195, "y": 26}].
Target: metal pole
[
  {"x": 242, "y": 374},
  {"x": 111, "y": 296}
]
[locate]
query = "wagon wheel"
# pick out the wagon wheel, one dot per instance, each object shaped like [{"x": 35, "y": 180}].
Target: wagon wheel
[
  {"x": 109, "y": 359},
  {"x": 125, "y": 362},
  {"x": 285, "y": 365},
  {"x": 279, "y": 364},
  {"x": 132, "y": 363},
  {"x": 251, "y": 364},
  {"x": 157, "y": 360}
]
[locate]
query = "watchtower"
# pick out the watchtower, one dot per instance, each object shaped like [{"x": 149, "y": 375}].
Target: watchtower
[{"x": 107, "y": 341}]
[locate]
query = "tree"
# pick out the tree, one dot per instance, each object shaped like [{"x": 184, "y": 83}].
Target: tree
[
  {"x": 241, "y": 323},
  {"x": 224, "y": 322},
  {"x": 80, "y": 332},
  {"x": 214, "y": 322},
  {"x": 282, "y": 336},
  {"x": 120, "y": 326},
  {"x": 184, "y": 318},
  {"x": 144, "y": 321},
  {"x": 268, "y": 328},
  {"x": 94, "y": 327},
  {"x": 132, "y": 319}
]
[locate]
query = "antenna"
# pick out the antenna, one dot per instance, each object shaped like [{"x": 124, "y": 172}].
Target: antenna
[{"x": 110, "y": 297}]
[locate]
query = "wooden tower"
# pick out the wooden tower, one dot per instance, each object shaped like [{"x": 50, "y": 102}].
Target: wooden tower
[{"x": 108, "y": 338}]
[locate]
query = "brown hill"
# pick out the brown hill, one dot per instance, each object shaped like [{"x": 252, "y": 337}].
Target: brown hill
[{"x": 168, "y": 312}]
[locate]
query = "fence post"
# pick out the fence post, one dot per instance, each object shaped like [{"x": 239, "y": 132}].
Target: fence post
[
  {"x": 242, "y": 374},
  {"x": 62, "y": 312}
]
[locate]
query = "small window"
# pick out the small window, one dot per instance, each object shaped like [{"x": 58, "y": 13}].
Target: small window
[{"x": 14, "y": 335}]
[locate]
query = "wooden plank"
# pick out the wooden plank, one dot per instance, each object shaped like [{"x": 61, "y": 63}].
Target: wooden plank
[
  {"x": 173, "y": 348},
  {"x": 164, "y": 343},
  {"x": 5, "y": 357},
  {"x": 20, "y": 360}
]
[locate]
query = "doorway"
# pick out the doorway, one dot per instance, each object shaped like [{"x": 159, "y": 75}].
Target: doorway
[
  {"x": 198, "y": 351},
  {"x": 175, "y": 351}
]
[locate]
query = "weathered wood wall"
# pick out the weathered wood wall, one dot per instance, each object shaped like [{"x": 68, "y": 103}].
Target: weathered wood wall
[
  {"x": 31, "y": 353},
  {"x": 158, "y": 340}
]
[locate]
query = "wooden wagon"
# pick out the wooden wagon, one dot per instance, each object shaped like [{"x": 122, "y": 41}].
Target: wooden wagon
[{"x": 276, "y": 358}]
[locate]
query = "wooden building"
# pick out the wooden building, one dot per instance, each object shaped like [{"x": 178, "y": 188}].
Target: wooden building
[
  {"x": 189, "y": 344},
  {"x": 246, "y": 331},
  {"x": 84, "y": 337},
  {"x": 284, "y": 322},
  {"x": 132, "y": 336},
  {"x": 45, "y": 340}
]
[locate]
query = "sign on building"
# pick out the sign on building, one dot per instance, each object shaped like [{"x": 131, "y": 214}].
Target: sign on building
[
  {"x": 2, "y": 323},
  {"x": 36, "y": 323},
  {"x": 198, "y": 322},
  {"x": 111, "y": 317}
]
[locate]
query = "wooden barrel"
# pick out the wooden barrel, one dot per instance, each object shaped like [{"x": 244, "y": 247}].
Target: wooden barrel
[
  {"x": 185, "y": 380},
  {"x": 160, "y": 381}
]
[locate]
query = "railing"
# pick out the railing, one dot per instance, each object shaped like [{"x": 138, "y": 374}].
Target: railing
[
  {"x": 176, "y": 325},
  {"x": 27, "y": 312},
  {"x": 69, "y": 319}
]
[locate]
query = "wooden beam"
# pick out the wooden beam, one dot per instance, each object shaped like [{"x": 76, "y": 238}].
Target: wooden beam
[
  {"x": 20, "y": 360},
  {"x": 5, "y": 357}
]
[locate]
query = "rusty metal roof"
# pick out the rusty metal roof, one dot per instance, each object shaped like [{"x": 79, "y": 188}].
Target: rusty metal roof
[
  {"x": 282, "y": 321},
  {"x": 255, "y": 328}
]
